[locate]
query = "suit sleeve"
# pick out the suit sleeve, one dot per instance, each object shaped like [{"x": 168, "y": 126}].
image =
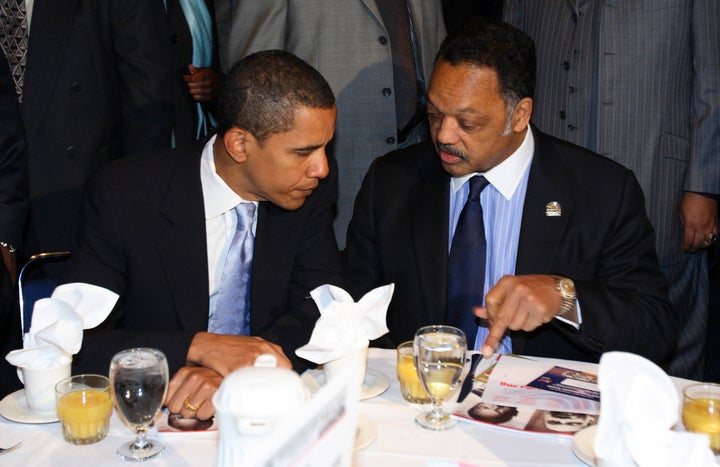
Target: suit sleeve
[
  {"x": 13, "y": 162},
  {"x": 361, "y": 262},
  {"x": 256, "y": 26},
  {"x": 704, "y": 168},
  {"x": 143, "y": 69},
  {"x": 98, "y": 258},
  {"x": 624, "y": 299}
]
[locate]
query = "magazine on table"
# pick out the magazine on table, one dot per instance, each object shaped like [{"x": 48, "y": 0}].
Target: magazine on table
[{"x": 533, "y": 396}]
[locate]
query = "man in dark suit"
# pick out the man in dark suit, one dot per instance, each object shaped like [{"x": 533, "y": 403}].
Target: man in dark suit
[
  {"x": 570, "y": 270},
  {"x": 96, "y": 87},
  {"x": 156, "y": 230},
  {"x": 13, "y": 211}
]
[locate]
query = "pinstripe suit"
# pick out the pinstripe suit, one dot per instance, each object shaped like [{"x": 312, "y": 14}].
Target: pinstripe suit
[{"x": 638, "y": 81}]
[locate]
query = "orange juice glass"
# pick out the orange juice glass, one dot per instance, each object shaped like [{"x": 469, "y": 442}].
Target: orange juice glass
[
  {"x": 701, "y": 411},
  {"x": 84, "y": 407},
  {"x": 410, "y": 386}
]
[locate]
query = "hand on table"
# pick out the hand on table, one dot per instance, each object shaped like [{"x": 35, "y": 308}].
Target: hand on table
[
  {"x": 204, "y": 84},
  {"x": 190, "y": 392},
  {"x": 519, "y": 303},
  {"x": 224, "y": 353},
  {"x": 210, "y": 358}
]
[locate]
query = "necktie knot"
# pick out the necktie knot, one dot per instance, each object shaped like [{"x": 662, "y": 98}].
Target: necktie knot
[
  {"x": 477, "y": 185},
  {"x": 245, "y": 213}
]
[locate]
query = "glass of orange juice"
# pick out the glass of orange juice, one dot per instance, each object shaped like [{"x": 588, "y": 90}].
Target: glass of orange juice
[
  {"x": 84, "y": 407},
  {"x": 410, "y": 386},
  {"x": 701, "y": 411}
]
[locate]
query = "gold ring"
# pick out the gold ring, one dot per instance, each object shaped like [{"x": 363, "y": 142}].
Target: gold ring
[
  {"x": 710, "y": 238},
  {"x": 189, "y": 406}
]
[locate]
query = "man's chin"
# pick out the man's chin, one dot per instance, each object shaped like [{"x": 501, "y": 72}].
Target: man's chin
[{"x": 456, "y": 169}]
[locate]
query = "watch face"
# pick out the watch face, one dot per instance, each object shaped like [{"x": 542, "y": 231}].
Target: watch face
[{"x": 567, "y": 287}]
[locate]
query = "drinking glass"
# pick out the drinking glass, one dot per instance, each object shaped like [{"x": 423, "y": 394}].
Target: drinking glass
[
  {"x": 410, "y": 385},
  {"x": 701, "y": 411},
  {"x": 84, "y": 408},
  {"x": 439, "y": 353},
  {"x": 139, "y": 381}
]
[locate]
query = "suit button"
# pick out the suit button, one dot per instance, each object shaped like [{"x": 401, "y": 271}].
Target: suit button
[
  {"x": 382, "y": 40},
  {"x": 571, "y": 89},
  {"x": 76, "y": 86},
  {"x": 174, "y": 38},
  {"x": 562, "y": 115},
  {"x": 71, "y": 151},
  {"x": 386, "y": 92},
  {"x": 566, "y": 65},
  {"x": 390, "y": 140},
  {"x": 571, "y": 127}
]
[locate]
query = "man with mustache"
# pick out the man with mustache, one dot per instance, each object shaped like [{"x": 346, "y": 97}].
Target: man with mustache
[
  {"x": 160, "y": 232},
  {"x": 548, "y": 245}
]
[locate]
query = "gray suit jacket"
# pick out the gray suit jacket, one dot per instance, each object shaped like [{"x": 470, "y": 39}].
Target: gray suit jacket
[
  {"x": 658, "y": 93},
  {"x": 347, "y": 42}
]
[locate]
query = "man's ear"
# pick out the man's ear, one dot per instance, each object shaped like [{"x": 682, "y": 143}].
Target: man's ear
[
  {"x": 236, "y": 142},
  {"x": 521, "y": 114}
]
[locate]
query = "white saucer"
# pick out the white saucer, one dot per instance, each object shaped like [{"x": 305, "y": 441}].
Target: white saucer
[
  {"x": 14, "y": 407},
  {"x": 584, "y": 443},
  {"x": 365, "y": 434},
  {"x": 374, "y": 384}
]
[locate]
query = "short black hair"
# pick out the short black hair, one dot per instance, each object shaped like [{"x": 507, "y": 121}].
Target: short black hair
[
  {"x": 263, "y": 90},
  {"x": 498, "y": 46}
]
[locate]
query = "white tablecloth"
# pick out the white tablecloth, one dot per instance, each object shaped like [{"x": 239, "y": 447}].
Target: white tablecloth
[{"x": 400, "y": 442}]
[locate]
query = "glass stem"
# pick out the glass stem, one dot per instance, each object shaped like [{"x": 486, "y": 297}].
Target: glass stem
[
  {"x": 437, "y": 412},
  {"x": 141, "y": 439}
]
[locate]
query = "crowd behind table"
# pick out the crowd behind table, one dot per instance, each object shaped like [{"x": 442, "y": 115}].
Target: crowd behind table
[{"x": 570, "y": 243}]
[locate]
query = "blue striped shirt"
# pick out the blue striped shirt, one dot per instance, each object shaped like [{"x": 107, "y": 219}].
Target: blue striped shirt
[{"x": 502, "y": 203}]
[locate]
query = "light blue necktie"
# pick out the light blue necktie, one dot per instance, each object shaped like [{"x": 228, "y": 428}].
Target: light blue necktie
[{"x": 232, "y": 306}]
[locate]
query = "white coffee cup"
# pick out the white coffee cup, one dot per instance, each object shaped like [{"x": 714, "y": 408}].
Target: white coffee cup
[
  {"x": 40, "y": 387},
  {"x": 355, "y": 363}
]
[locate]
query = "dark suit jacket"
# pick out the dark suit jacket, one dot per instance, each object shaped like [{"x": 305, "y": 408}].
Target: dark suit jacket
[
  {"x": 13, "y": 210},
  {"x": 603, "y": 241},
  {"x": 96, "y": 88},
  {"x": 143, "y": 236}
]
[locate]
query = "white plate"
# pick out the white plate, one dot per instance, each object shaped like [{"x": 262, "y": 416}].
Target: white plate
[
  {"x": 14, "y": 407},
  {"x": 583, "y": 444},
  {"x": 374, "y": 384},
  {"x": 365, "y": 434}
]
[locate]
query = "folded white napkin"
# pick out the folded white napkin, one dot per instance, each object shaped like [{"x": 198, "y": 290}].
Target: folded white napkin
[
  {"x": 639, "y": 407},
  {"x": 345, "y": 326},
  {"x": 56, "y": 330}
]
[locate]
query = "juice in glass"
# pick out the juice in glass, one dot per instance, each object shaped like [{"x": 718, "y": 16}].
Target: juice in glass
[
  {"x": 410, "y": 386},
  {"x": 701, "y": 412},
  {"x": 84, "y": 411}
]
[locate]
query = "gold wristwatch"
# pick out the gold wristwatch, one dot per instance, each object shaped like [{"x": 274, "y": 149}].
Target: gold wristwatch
[{"x": 566, "y": 288}]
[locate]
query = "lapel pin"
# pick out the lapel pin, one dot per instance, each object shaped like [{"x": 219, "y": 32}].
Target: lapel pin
[{"x": 553, "y": 209}]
